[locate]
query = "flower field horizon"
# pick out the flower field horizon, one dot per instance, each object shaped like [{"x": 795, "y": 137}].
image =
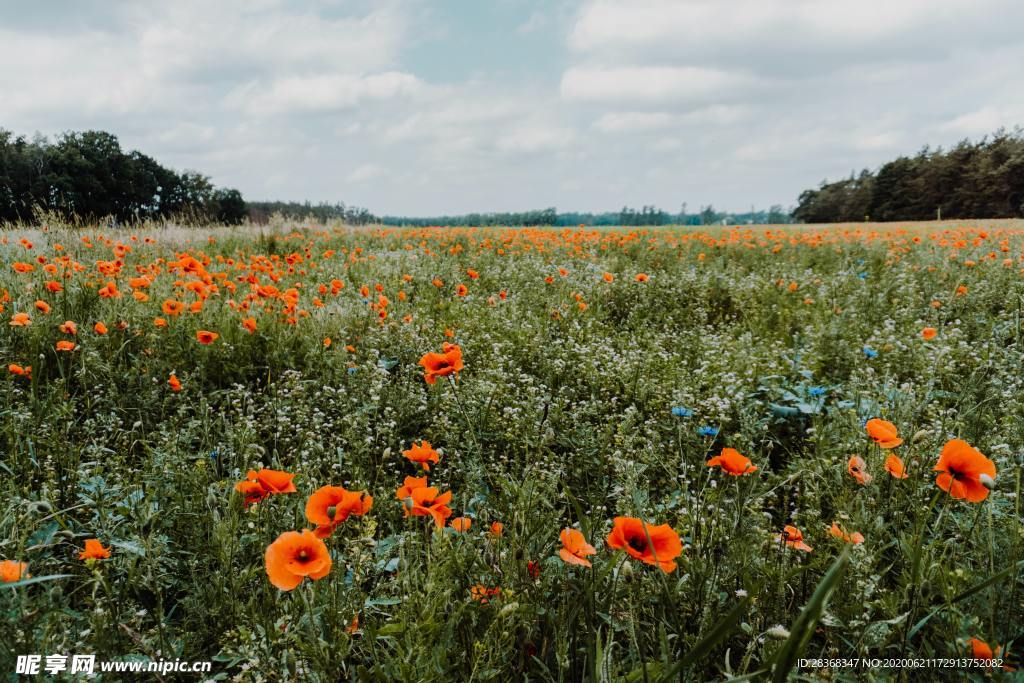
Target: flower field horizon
[{"x": 322, "y": 452}]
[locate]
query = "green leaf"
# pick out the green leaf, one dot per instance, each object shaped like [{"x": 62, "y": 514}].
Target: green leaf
[
  {"x": 35, "y": 579},
  {"x": 719, "y": 632},
  {"x": 803, "y": 628}
]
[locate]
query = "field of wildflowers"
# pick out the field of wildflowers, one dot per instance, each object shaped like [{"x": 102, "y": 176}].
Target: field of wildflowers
[{"x": 321, "y": 453}]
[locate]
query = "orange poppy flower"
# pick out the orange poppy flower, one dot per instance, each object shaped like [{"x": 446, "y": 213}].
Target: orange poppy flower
[
  {"x": 461, "y": 290},
  {"x": 437, "y": 282},
  {"x": 855, "y": 538},
  {"x": 160, "y": 322},
  {"x": 274, "y": 481},
  {"x": 608, "y": 277},
  {"x": 94, "y": 550},
  {"x": 405, "y": 490},
  {"x": 858, "y": 469},
  {"x": 929, "y": 333},
  {"x": 655, "y": 545},
  {"x": 642, "y": 277},
  {"x": 172, "y": 307},
  {"x": 441, "y": 364},
  {"x": 42, "y": 306},
  {"x": 99, "y": 328},
  {"x": 252, "y": 491},
  {"x": 68, "y": 327},
  {"x": 483, "y": 594},
  {"x": 461, "y": 524},
  {"x": 327, "y": 342},
  {"x": 16, "y": 369},
  {"x": 249, "y": 324},
  {"x": 174, "y": 382},
  {"x": 883, "y": 433},
  {"x": 575, "y": 548},
  {"x": 11, "y": 571},
  {"x": 964, "y": 471},
  {"x": 329, "y": 506},
  {"x": 472, "y": 273},
  {"x": 732, "y": 462},
  {"x": 426, "y": 500},
  {"x": 206, "y": 337},
  {"x": 980, "y": 649},
  {"x": 794, "y": 538},
  {"x": 423, "y": 454},
  {"x": 64, "y": 345},
  {"x": 497, "y": 529},
  {"x": 20, "y": 267},
  {"x": 294, "y": 556},
  {"x": 894, "y": 466}
]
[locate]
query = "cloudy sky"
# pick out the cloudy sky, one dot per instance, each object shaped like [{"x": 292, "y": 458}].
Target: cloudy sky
[{"x": 423, "y": 107}]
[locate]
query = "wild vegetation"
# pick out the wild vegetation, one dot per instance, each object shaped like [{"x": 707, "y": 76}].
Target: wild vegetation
[{"x": 322, "y": 452}]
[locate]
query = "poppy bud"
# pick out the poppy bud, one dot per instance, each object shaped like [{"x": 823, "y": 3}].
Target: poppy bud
[
  {"x": 987, "y": 481},
  {"x": 919, "y": 436},
  {"x": 508, "y": 609},
  {"x": 778, "y": 631},
  {"x": 42, "y": 506},
  {"x": 627, "y": 569}
]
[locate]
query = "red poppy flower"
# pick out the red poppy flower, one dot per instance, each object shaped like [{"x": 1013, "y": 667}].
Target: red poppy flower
[
  {"x": 94, "y": 550},
  {"x": 423, "y": 454},
  {"x": 426, "y": 500},
  {"x": 883, "y": 433},
  {"x": 206, "y": 337},
  {"x": 855, "y": 538},
  {"x": 794, "y": 538},
  {"x": 483, "y": 594},
  {"x": 858, "y": 469},
  {"x": 575, "y": 548},
  {"x": 329, "y": 506},
  {"x": 894, "y": 466},
  {"x": 461, "y": 524},
  {"x": 656, "y": 545},
  {"x": 732, "y": 462},
  {"x": 11, "y": 571},
  {"x": 442, "y": 364},
  {"x": 294, "y": 556},
  {"x": 965, "y": 472}
]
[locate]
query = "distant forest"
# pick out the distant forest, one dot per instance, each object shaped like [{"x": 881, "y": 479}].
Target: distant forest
[
  {"x": 87, "y": 177},
  {"x": 984, "y": 179},
  {"x": 648, "y": 215}
]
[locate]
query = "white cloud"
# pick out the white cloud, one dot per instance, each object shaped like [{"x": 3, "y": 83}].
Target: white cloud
[
  {"x": 365, "y": 173},
  {"x": 638, "y": 121},
  {"x": 650, "y": 84},
  {"x": 321, "y": 92}
]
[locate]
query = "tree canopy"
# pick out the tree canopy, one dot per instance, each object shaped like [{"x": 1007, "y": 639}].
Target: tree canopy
[
  {"x": 983, "y": 179},
  {"x": 87, "y": 176}
]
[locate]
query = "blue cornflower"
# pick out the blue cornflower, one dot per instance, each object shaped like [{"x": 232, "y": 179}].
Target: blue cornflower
[
  {"x": 680, "y": 411},
  {"x": 352, "y": 371},
  {"x": 708, "y": 431},
  {"x": 862, "y": 276},
  {"x": 869, "y": 352},
  {"x": 817, "y": 391}
]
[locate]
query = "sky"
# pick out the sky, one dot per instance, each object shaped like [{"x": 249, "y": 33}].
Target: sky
[{"x": 431, "y": 107}]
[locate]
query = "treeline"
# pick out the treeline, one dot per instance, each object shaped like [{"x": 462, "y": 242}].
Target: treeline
[
  {"x": 87, "y": 177},
  {"x": 984, "y": 179},
  {"x": 646, "y": 216},
  {"x": 260, "y": 212}
]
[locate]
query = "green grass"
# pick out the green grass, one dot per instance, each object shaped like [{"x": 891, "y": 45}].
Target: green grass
[{"x": 561, "y": 417}]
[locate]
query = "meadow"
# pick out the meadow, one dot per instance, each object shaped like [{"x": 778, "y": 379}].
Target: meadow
[{"x": 319, "y": 453}]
